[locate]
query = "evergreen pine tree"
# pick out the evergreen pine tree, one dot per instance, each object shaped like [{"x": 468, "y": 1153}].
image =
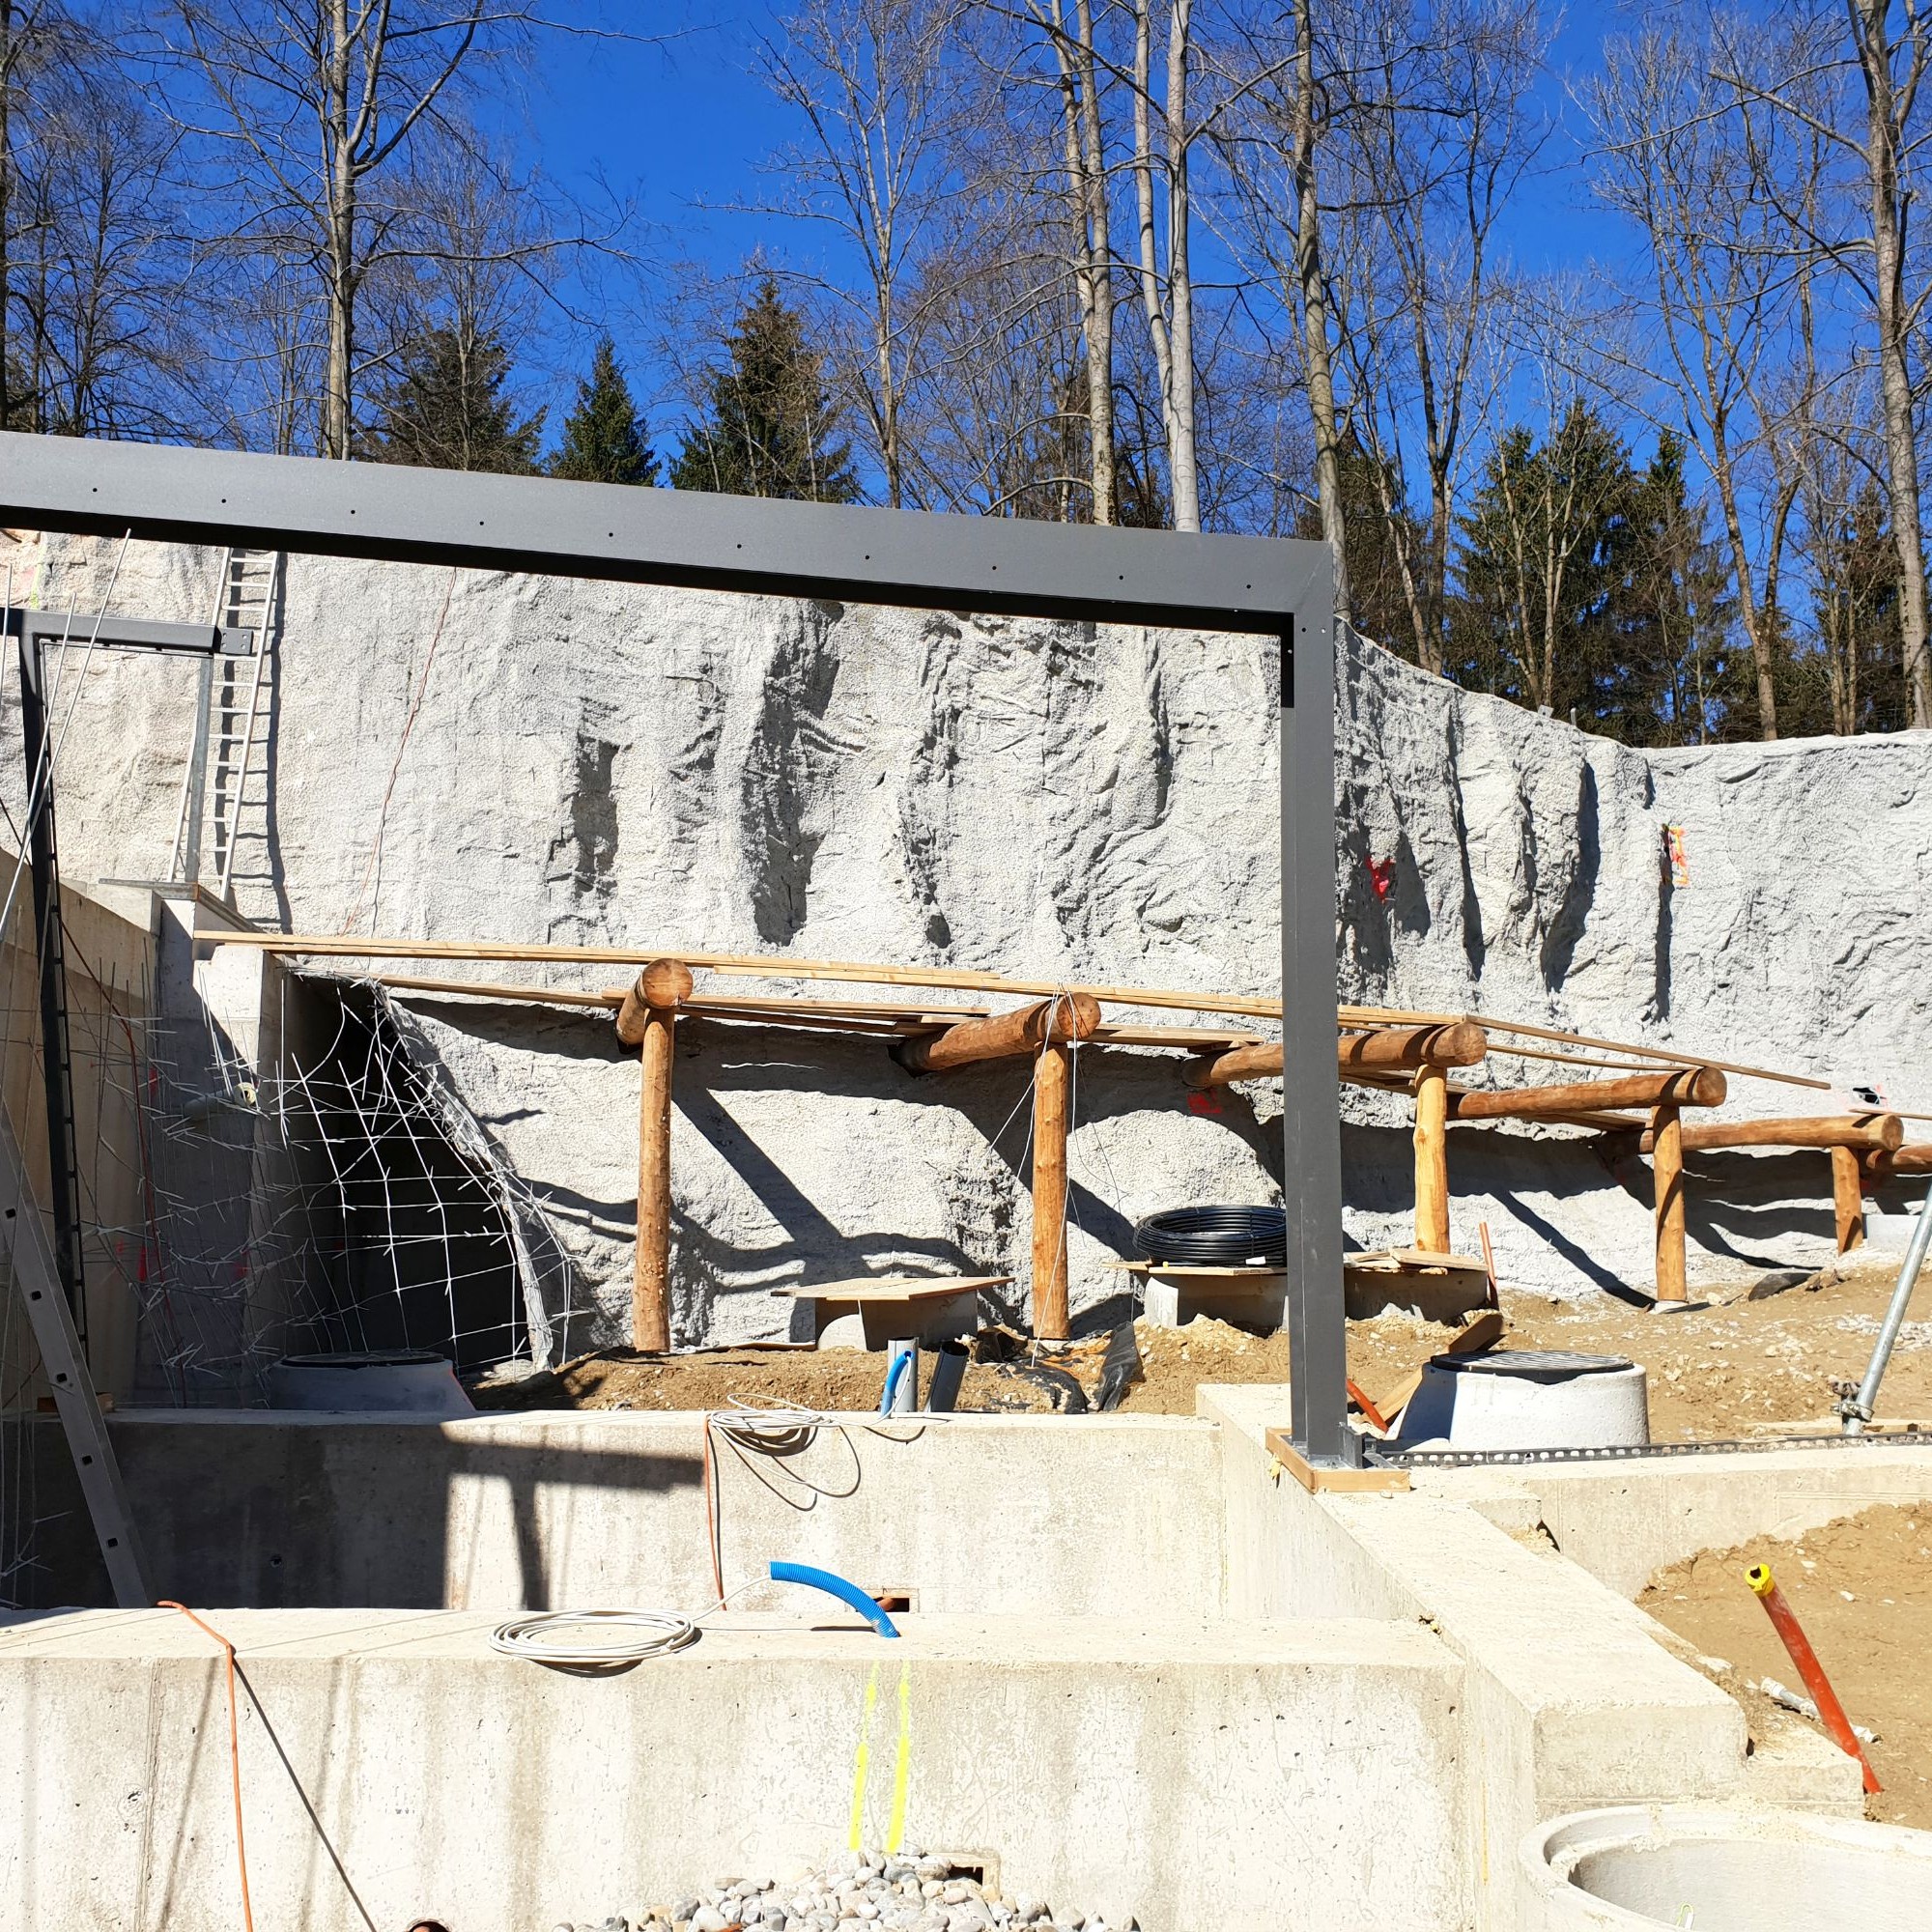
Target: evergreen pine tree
[
  {"x": 770, "y": 429},
  {"x": 602, "y": 436},
  {"x": 444, "y": 407}
]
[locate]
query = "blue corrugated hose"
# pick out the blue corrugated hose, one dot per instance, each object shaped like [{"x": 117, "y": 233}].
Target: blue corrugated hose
[{"x": 837, "y": 1587}]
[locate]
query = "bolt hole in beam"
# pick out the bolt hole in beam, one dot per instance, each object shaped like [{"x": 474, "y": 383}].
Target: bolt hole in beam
[{"x": 1275, "y": 588}]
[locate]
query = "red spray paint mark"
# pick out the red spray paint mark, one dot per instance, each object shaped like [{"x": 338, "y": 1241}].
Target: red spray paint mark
[
  {"x": 1203, "y": 1103},
  {"x": 1382, "y": 875}
]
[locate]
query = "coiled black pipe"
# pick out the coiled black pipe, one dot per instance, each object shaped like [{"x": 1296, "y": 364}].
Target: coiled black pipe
[{"x": 1215, "y": 1237}]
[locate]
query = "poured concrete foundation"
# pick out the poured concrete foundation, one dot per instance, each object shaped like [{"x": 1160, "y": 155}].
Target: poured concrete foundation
[{"x": 1142, "y": 1673}]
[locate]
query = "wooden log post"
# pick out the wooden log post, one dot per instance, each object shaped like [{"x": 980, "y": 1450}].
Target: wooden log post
[
  {"x": 1666, "y": 1128},
  {"x": 1008, "y": 1035},
  {"x": 1052, "y": 1079},
  {"x": 1431, "y": 1087},
  {"x": 1848, "y": 1198},
  {"x": 648, "y": 1020}
]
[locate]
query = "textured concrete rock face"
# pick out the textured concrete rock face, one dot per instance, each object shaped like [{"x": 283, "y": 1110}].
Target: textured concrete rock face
[{"x": 467, "y": 755}]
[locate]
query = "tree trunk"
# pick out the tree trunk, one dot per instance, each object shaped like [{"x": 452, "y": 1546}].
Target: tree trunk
[
  {"x": 1755, "y": 621},
  {"x": 1320, "y": 374},
  {"x": 1882, "y": 135},
  {"x": 337, "y": 401},
  {"x": 1087, "y": 173}
]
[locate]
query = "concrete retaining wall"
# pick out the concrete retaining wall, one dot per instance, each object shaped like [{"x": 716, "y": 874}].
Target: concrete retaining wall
[
  {"x": 1196, "y": 1776},
  {"x": 447, "y": 759},
  {"x": 993, "y": 1515}
]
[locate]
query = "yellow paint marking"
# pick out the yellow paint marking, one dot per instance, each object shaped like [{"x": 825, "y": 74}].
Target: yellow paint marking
[
  {"x": 862, "y": 1763},
  {"x": 902, "y": 1765}
]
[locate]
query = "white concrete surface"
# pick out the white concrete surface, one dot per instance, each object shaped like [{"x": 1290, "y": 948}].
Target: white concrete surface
[
  {"x": 1196, "y": 1775},
  {"x": 1625, "y": 1520},
  {"x": 1639, "y": 1867},
  {"x": 989, "y": 1514}
]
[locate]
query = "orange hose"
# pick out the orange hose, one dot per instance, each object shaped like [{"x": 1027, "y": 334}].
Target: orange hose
[
  {"x": 1784, "y": 1621},
  {"x": 233, "y": 1751}
]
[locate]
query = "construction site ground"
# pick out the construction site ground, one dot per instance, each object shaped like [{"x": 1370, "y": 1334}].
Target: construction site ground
[
  {"x": 1862, "y": 1586},
  {"x": 1746, "y": 1357}
]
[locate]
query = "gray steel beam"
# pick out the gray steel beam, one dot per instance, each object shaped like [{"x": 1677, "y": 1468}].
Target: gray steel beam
[
  {"x": 760, "y": 547},
  {"x": 756, "y": 545},
  {"x": 81, "y": 628}
]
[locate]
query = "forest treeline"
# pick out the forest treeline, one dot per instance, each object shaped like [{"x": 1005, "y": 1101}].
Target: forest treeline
[{"x": 1240, "y": 265}]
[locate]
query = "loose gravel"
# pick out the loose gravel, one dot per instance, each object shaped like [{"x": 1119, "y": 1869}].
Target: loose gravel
[{"x": 897, "y": 1891}]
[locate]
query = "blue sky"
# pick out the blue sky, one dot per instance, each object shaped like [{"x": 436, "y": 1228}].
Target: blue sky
[{"x": 685, "y": 127}]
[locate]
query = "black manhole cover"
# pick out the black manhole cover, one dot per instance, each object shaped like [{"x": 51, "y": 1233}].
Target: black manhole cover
[{"x": 1542, "y": 1365}]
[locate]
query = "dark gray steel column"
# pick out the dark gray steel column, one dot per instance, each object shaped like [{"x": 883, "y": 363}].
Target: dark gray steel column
[
  {"x": 1310, "y": 1091},
  {"x": 56, "y": 1065}
]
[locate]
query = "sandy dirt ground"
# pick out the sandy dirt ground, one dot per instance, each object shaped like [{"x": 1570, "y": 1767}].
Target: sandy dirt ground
[
  {"x": 1862, "y": 1589},
  {"x": 1728, "y": 1368}
]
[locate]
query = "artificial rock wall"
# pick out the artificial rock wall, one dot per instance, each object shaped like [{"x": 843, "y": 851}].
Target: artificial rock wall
[{"x": 468, "y": 755}]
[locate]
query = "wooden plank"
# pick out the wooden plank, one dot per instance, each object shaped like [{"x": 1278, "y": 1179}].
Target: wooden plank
[
  {"x": 774, "y": 966},
  {"x": 892, "y": 1288},
  {"x": 1010, "y": 1035},
  {"x": 1319, "y": 1480}
]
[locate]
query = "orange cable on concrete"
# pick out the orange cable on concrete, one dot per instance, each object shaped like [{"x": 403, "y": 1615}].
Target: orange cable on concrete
[{"x": 234, "y": 1750}]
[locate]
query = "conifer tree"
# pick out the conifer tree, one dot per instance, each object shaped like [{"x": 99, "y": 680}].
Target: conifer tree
[
  {"x": 770, "y": 429},
  {"x": 604, "y": 439},
  {"x": 444, "y": 407}
]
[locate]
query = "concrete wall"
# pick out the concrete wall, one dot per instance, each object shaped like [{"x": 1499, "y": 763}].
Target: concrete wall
[
  {"x": 1194, "y": 1774},
  {"x": 1623, "y": 1522},
  {"x": 994, "y": 1515}
]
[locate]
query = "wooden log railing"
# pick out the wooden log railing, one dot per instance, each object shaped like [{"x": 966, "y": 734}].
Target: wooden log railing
[
  {"x": 1010, "y": 1035},
  {"x": 647, "y": 1020},
  {"x": 1848, "y": 1138},
  {"x": 1914, "y": 1158}
]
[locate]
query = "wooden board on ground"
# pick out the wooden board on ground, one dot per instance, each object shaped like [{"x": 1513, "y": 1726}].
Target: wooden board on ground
[
  {"x": 872, "y": 1311},
  {"x": 1319, "y": 1480},
  {"x": 892, "y": 1288}
]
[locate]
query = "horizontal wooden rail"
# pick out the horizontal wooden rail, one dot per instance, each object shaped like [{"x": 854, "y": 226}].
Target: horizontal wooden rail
[
  {"x": 1865, "y": 1133},
  {"x": 1384, "y": 1058},
  {"x": 1687, "y": 1086},
  {"x": 1010, "y": 1035},
  {"x": 1403, "y": 1049},
  {"x": 1914, "y": 1158}
]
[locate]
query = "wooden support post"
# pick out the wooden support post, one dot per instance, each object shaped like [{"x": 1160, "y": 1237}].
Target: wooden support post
[
  {"x": 1848, "y": 1198},
  {"x": 1431, "y": 1087},
  {"x": 1666, "y": 1162},
  {"x": 1051, "y": 1081},
  {"x": 648, "y": 1021}
]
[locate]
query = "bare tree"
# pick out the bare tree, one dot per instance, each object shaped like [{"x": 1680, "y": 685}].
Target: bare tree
[
  {"x": 876, "y": 84},
  {"x": 1077, "y": 68},
  {"x": 1439, "y": 127},
  {"x": 1885, "y": 147},
  {"x": 1704, "y": 175},
  {"x": 318, "y": 121}
]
